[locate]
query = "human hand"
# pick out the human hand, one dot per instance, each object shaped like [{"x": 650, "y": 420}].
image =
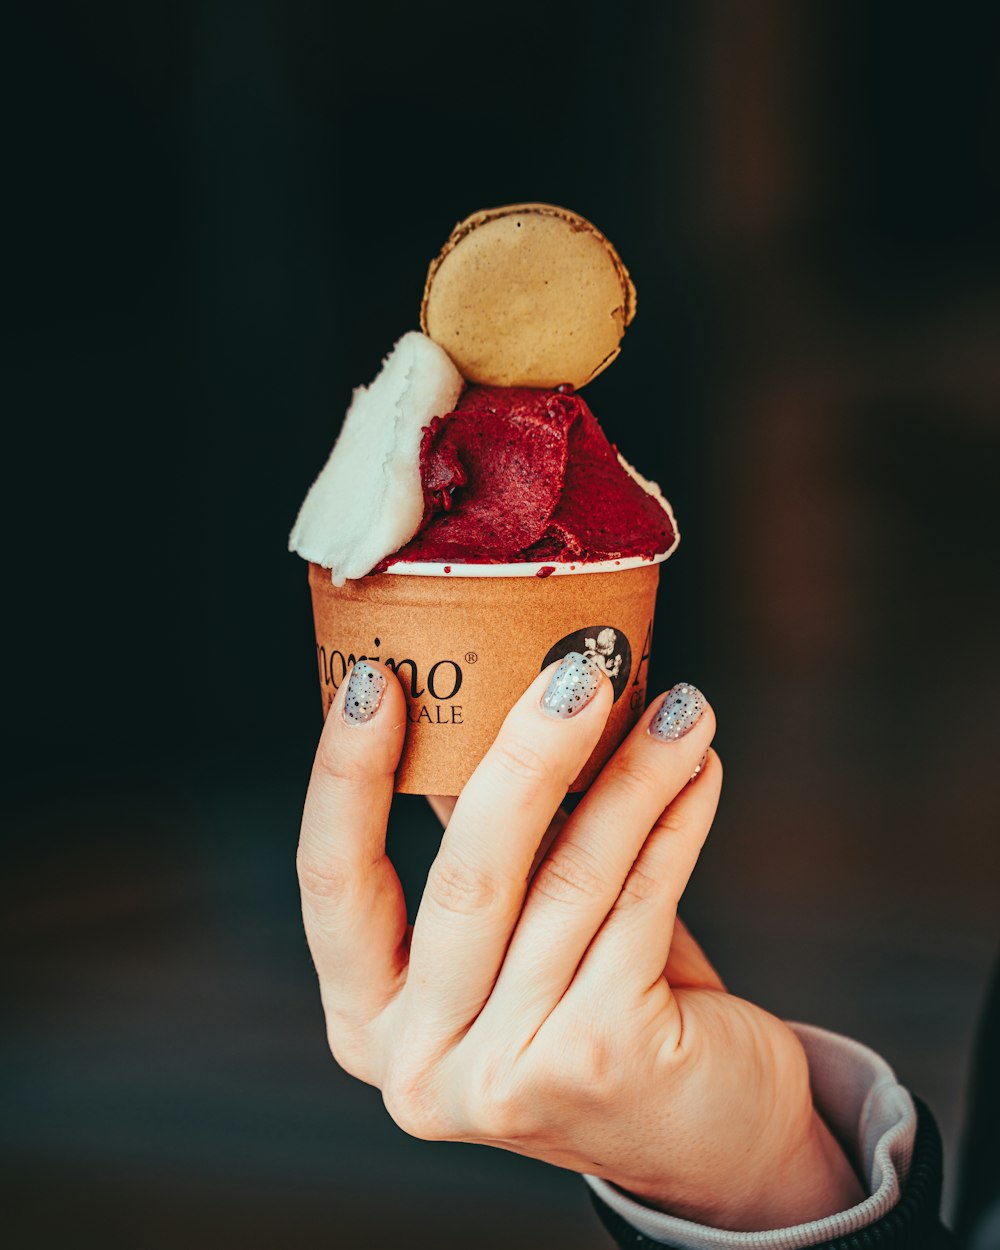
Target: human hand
[{"x": 558, "y": 1008}]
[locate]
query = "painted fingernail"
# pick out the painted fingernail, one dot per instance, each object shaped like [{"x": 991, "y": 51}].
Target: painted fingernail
[
  {"x": 679, "y": 712},
  {"x": 573, "y": 685},
  {"x": 365, "y": 688},
  {"x": 701, "y": 765}
]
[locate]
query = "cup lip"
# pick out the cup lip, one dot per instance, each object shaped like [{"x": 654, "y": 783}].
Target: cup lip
[{"x": 534, "y": 568}]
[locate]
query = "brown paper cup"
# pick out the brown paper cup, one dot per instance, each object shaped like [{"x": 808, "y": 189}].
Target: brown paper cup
[{"x": 466, "y": 647}]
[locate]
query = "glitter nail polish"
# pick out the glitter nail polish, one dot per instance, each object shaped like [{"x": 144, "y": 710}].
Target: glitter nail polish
[
  {"x": 701, "y": 765},
  {"x": 365, "y": 688},
  {"x": 679, "y": 712},
  {"x": 573, "y": 685}
]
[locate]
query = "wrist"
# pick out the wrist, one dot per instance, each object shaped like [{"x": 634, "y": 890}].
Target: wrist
[
  {"x": 814, "y": 1180},
  {"x": 808, "y": 1179}
]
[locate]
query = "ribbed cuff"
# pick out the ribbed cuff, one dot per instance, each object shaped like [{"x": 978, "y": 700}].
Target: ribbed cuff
[{"x": 914, "y": 1223}]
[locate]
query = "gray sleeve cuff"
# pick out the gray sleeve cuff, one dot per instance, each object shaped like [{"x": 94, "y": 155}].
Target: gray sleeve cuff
[{"x": 867, "y": 1110}]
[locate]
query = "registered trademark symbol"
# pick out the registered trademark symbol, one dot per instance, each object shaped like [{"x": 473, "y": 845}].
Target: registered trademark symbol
[{"x": 471, "y": 657}]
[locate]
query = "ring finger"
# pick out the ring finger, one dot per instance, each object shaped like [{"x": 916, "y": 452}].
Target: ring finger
[{"x": 632, "y": 948}]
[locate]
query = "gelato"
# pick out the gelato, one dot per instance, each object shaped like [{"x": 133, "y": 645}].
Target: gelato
[
  {"x": 368, "y": 500},
  {"x": 517, "y": 474}
]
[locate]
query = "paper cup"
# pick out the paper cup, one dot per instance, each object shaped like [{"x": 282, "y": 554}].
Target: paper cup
[{"x": 466, "y": 640}]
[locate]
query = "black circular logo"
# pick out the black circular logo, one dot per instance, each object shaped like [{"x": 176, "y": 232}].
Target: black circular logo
[{"x": 605, "y": 645}]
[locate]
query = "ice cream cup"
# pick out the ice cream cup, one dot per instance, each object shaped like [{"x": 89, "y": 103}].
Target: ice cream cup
[{"x": 466, "y": 640}]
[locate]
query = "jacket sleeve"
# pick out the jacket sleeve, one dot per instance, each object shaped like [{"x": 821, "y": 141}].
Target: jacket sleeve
[
  {"x": 874, "y": 1118},
  {"x": 913, "y": 1223}
]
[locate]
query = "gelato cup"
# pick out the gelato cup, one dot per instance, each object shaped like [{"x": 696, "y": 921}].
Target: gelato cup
[
  {"x": 466, "y": 640},
  {"x": 474, "y": 523}
]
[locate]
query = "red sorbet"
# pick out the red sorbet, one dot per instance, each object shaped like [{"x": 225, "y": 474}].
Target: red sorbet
[{"x": 518, "y": 475}]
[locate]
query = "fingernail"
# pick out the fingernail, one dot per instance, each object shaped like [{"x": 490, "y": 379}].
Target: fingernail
[
  {"x": 701, "y": 765},
  {"x": 679, "y": 712},
  {"x": 573, "y": 685},
  {"x": 365, "y": 688}
]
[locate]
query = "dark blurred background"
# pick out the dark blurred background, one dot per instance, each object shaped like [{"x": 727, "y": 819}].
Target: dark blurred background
[{"x": 222, "y": 216}]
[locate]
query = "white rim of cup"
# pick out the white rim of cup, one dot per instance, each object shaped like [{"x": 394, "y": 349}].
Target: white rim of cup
[{"x": 553, "y": 568}]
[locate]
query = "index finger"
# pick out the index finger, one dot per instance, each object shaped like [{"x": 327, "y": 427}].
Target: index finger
[{"x": 477, "y": 883}]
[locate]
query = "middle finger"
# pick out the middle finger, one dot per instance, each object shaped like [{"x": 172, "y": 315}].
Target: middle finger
[
  {"x": 477, "y": 883},
  {"x": 582, "y": 876}
]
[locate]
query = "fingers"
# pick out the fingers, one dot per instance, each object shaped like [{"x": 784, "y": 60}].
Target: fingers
[
  {"x": 633, "y": 945},
  {"x": 352, "y": 903},
  {"x": 476, "y": 885},
  {"x": 577, "y": 884}
]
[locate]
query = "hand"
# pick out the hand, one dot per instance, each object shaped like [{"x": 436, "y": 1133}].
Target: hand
[{"x": 567, "y": 1014}]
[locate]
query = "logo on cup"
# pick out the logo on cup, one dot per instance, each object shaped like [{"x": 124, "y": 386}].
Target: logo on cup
[{"x": 606, "y": 646}]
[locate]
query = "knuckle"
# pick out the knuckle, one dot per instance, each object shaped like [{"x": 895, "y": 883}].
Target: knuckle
[
  {"x": 638, "y": 779},
  {"x": 592, "y": 1064},
  {"x": 669, "y": 825},
  {"x": 339, "y": 766},
  {"x": 325, "y": 879},
  {"x": 570, "y": 874},
  {"x": 409, "y": 1100},
  {"x": 641, "y": 886},
  {"x": 521, "y": 762},
  {"x": 407, "y": 1115},
  {"x": 499, "y": 1107},
  {"x": 458, "y": 887},
  {"x": 342, "y": 763}
]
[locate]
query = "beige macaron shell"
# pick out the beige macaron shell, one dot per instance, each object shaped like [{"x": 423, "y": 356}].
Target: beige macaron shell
[{"x": 528, "y": 295}]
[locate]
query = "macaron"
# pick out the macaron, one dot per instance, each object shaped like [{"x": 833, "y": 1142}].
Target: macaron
[{"x": 528, "y": 295}]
